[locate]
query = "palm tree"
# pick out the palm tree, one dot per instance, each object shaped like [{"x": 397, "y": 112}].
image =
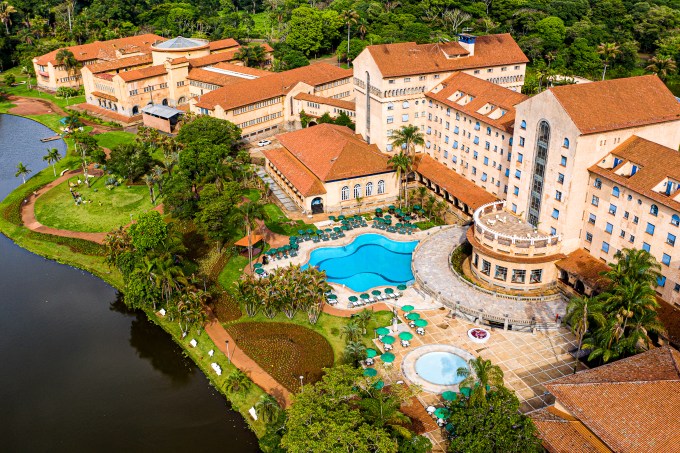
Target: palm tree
[
  {"x": 609, "y": 51},
  {"x": 579, "y": 312},
  {"x": 637, "y": 338},
  {"x": 352, "y": 331},
  {"x": 382, "y": 408},
  {"x": 52, "y": 157},
  {"x": 634, "y": 265},
  {"x": 661, "y": 66},
  {"x": 25, "y": 70},
  {"x": 66, "y": 58},
  {"x": 631, "y": 299},
  {"x": 267, "y": 408},
  {"x": 362, "y": 28},
  {"x": 349, "y": 17},
  {"x": 150, "y": 180},
  {"x": 22, "y": 171},
  {"x": 478, "y": 374},
  {"x": 355, "y": 351},
  {"x": 363, "y": 318},
  {"x": 408, "y": 137},
  {"x": 237, "y": 382},
  {"x": 6, "y": 11},
  {"x": 250, "y": 211},
  {"x": 251, "y": 55},
  {"x": 402, "y": 164}
]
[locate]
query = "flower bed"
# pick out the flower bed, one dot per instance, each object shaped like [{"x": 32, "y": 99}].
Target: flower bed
[
  {"x": 479, "y": 335},
  {"x": 286, "y": 351}
]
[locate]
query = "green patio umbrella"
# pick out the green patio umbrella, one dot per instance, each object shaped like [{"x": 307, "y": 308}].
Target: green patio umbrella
[
  {"x": 257, "y": 265},
  {"x": 391, "y": 207},
  {"x": 295, "y": 246},
  {"x": 357, "y": 217},
  {"x": 331, "y": 218},
  {"x": 398, "y": 225},
  {"x": 286, "y": 247},
  {"x": 407, "y": 218},
  {"x": 370, "y": 372},
  {"x": 301, "y": 232},
  {"x": 389, "y": 290},
  {"x": 467, "y": 391},
  {"x": 341, "y": 217},
  {"x": 337, "y": 229},
  {"x": 370, "y": 353},
  {"x": 319, "y": 232},
  {"x": 406, "y": 336},
  {"x": 353, "y": 298},
  {"x": 376, "y": 292},
  {"x": 365, "y": 296},
  {"x": 408, "y": 308},
  {"x": 420, "y": 323},
  {"x": 449, "y": 396},
  {"x": 401, "y": 287},
  {"x": 417, "y": 207},
  {"x": 413, "y": 316},
  {"x": 259, "y": 271},
  {"x": 388, "y": 339},
  {"x": 310, "y": 231},
  {"x": 332, "y": 296},
  {"x": 382, "y": 331},
  {"x": 293, "y": 239},
  {"x": 442, "y": 412},
  {"x": 378, "y": 209},
  {"x": 388, "y": 217},
  {"x": 387, "y": 357},
  {"x": 450, "y": 429},
  {"x": 328, "y": 230},
  {"x": 379, "y": 385},
  {"x": 345, "y": 222}
]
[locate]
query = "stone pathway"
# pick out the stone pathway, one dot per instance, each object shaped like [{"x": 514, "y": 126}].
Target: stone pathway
[
  {"x": 277, "y": 191},
  {"x": 431, "y": 265}
]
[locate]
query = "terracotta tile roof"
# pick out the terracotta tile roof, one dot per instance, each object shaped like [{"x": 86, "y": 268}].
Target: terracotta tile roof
[
  {"x": 670, "y": 317},
  {"x": 347, "y": 105},
  {"x": 488, "y": 99},
  {"x": 212, "y": 77},
  {"x": 277, "y": 84},
  {"x": 655, "y": 163},
  {"x": 298, "y": 175},
  {"x": 105, "y": 76},
  {"x": 108, "y": 97},
  {"x": 223, "y": 44},
  {"x": 105, "y": 50},
  {"x": 113, "y": 65},
  {"x": 143, "y": 73},
  {"x": 334, "y": 152},
  {"x": 242, "y": 69},
  {"x": 560, "y": 435},
  {"x": 631, "y": 405},
  {"x": 409, "y": 58},
  {"x": 455, "y": 184},
  {"x": 213, "y": 58},
  {"x": 587, "y": 267},
  {"x": 618, "y": 103}
]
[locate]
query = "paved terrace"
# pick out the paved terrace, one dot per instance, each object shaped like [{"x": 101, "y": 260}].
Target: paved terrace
[
  {"x": 505, "y": 223},
  {"x": 431, "y": 265}
]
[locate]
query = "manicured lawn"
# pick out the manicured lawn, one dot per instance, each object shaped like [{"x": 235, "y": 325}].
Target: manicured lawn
[
  {"x": 252, "y": 194},
  {"x": 284, "y": 350},
  {"x": 22, "y": 90},
  {"x": 232, "y": 272},
  {"x": 112, "y": 139},
  {"x": 277, "y": 222},
  {"x": 109, "y": 209}
]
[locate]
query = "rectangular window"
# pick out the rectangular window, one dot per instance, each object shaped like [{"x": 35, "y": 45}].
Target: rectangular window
[
  {"x": 484, "y": 177},
  {"x": 592, "y": 218},
  {"x": 612, "y": 209},
  {"x": 521, "y": 141},
  {"x": 518, "y": 174},
  {"x": 595, "y": 201},
  {"x": 390, "y": 119},
  {"x": 475, "y": 155},
  {"x": 515, "y": 190},
  {"x": 605, "y": 247},
  {"x": 650, "y": 229},
  {"x": 589, "y": 237},
  {"x": 476, "y": 140},
  {"x": 501, "y": 273},
  {"x": 518, "y": 275},
  {"x": 514, "y": 208},
  {"x": 676, "y": 288},
  {"x": 646, "y": 247},
  {"x": 623, "y": 233},
  {"x": 636, "y": 219},
  {"x": 609, "y": 228},
  {"x": 553, "y": 231},
  {"x": 670, "y": 240},
  {"x": 474, "y": 170},
  {"x": 563, "y": 161},
  {"x": 404, "y": 118},
  {"x": 560, "y": 178},
  {"x": 558, "y": 195},
  {"x": 661, "y": 281},
  {"x": 486, "y": 267},
  {"x": 631, "y": 239},
  {"x": 486, "y": 161},
  {"x": 666, "y": 259},
  {"x": 555, "y": 214},
  {"x": 536, "y": 276},
  {"x": 520, "y": 157},
  {"x": 626, "y": 214}
]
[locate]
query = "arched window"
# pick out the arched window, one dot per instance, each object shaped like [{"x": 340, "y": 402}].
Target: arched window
[
  {"x": 566, "y": 143},
  {"x": 369, "y": 189},
  {"x": 345, "y": 193},
  {"x": 135, "y": 110},
  {"x": 523, "y": 125},
  {"x": 390, "y": 106},
  {"x": 675, "y": 220},
  {"x": 654, "y": 210},
  {"x": 598, "y": 183},
  {"x": 488, "y": 131},
  {"x": 164, "y": 102},
  {"x": 181, "y": 100},
  {"x": 477, "y": 125},
  {"x": 357, "y": 191},
  {"x": 381, "y": 187},
  {"x": 616, "y": 191}
]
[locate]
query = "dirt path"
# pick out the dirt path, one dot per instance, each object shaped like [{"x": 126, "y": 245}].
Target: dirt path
[{"x": 240, "y": 359}]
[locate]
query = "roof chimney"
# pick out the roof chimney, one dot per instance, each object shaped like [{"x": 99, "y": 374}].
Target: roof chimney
[{"x": 467, "y": 42}]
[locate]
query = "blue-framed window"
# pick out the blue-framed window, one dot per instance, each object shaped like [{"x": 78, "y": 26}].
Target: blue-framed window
[
  {"x": 556, "y": 214},
  {"x": 589, "y": 237},
  {"x": 518, "y": 174},
  {"x": 474, "y": 170},
  {"x": 486, "y": 161},
  {"x": 592, "y": 218},
  {"x": 612, "y": 208},
  {"x": 654, "y": 210},
  {"x": 670, "y": 240},
  {"x": 477, "y": 126},
  {"x": 523, "y": 124},
  {"x": 454, "y": 159},
  {"x": 566, "y": 143},
  {"x": 553, "y": 231},
  {"x": 484, "y": 177},
  {"x": 455, "y": 144},
  {"x": 616, "y": 191},
  {"x": 666, "y": 259},
  {"x": 476, "y": 140},
  {"x": 650, "y": 228},
  {"x": 646, "y": 247},
  {"x": 563, "y": 161},
  {"x": 487, "y": 145},
  {"x": 675, "y": 220},
  {"x": 605, "y": 247},
  {"x": 507, "y": 172},
  {"x": 520, "y": 157},
  {"x": 446, "y": 154},
  {"x": 560, "y": 178},
  {"x": 455, "y": 130},
  {"x": 475, "y": 154},
  {"x": 661, "y": 281},
  {"x": 609, "y": 228},
  {"x": 521, "y": 141},
  {"x": 514, "y": 208},
  {"x": 515, "y": 190}
]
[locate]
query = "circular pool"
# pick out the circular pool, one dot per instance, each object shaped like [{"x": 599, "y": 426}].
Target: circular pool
[{"x": 440, "y": 367}]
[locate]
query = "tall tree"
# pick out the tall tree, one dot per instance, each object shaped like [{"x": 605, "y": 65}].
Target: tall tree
[
  {"x": 662, "y": 66},
  {"x": 52, "y": 157},
  {"x": 251, "y": 212},
  {"x": 66, "y": 58},
  {"x": 22, "y": 171},
  {"x": 6, "y": 11},
  {"x": 608, "y": 51},
  {"x": 402, "y": 164},
  {"x": 580, "y": 311},
  {"x": 479, "y": 374},
  {"x": 349, "y": 18}
]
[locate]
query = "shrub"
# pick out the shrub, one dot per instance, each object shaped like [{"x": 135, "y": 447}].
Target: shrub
[
  {"x": 63, "y": 92},
  {"x": 227, "y": 308}
]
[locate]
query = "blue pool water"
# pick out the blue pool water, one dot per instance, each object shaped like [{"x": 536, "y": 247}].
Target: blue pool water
[
  {"x": 440, "y": 367},
  {"x": 370, "y": 260}
]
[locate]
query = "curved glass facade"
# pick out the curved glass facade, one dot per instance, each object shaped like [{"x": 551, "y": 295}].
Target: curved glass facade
[{"x": 538, "y": 177}]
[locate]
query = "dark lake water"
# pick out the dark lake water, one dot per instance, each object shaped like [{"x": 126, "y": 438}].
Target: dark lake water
[{"x": 78, "y": 372}]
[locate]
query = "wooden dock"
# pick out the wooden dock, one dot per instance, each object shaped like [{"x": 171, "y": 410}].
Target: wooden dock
[{"x": 49, "y": 139}]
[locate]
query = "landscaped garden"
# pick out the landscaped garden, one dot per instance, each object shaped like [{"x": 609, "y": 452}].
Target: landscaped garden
[
  {"x": 114, "y": 138},
  {"x": 100, "y": 210}
]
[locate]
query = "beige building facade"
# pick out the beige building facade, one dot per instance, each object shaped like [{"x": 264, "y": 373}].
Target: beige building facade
[{"x": 391, "y": 80}]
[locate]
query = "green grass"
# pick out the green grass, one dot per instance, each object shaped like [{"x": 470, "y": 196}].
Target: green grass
[
  {"x": 232, "y": 272},
  {"x": 112, "y": 139},
  {"x": 262, "y": 24},
  {"x": 252, "y": 194},
  {"x": 22, "y": 90},
  {"x": 278, "y": 223},
  {"x": 329, "y": 326},
  {"x": 108, "y": 210}
]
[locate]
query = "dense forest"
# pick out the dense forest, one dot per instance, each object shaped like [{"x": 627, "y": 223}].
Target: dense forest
[{"x": 576, "y": 37}]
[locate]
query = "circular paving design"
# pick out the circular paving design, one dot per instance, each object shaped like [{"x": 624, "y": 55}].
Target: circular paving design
[{"x": 408, "y": 366}]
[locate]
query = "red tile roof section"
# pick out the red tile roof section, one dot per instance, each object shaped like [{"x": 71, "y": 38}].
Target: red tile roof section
[
  {"x": 631, "y": 405},
  {"x": 618, "y": 104},
  {"x": 143, "y": 73},
  {"x": 296, "y": 173},
  {"x": 484, "y": 93},
  {"x": 242, "y": 69},
  {"x": 334, "y": 152},
  {"x": 347, "y": 105},
  {"x": 655, "y": 163},
  {"x": 409, "y": 58},
  {"x": 214, "y": 78},
  {"x": 105, "y": 50},
  {"x": 223, "y": 44},
  {"x": 278, "y": 84},
  {"x": 212, "y": 58},
  {"x": 560, "y": 435},
  {"x": 129, "y": 62},
  {"x": 455, "y": 184},
  {"x": 587, "y": 267}
]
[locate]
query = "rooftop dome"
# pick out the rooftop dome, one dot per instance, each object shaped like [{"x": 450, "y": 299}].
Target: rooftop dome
[{"x": 181, "y": 43}]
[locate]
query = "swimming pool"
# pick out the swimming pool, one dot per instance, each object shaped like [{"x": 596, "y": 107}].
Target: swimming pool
[
  {"x": 370, "y": 260},
  {"x": 440, "y": 367}
]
